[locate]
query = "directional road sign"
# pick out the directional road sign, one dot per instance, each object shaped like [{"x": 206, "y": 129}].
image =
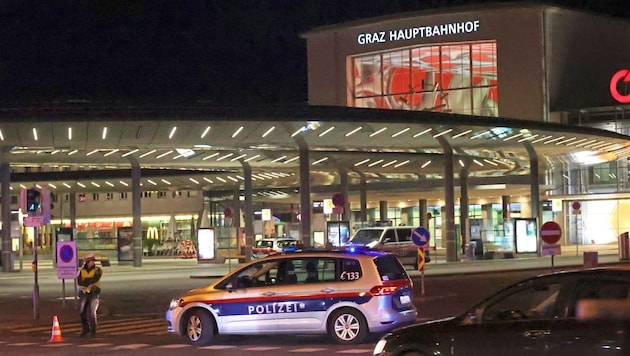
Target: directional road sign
[{"x": 421, "y": 236}]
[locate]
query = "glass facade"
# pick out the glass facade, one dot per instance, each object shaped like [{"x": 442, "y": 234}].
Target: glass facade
[{"x": 452, "y": 78}]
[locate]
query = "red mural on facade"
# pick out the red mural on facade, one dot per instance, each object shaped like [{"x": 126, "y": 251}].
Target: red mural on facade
[{"x": 456, "y": 78}]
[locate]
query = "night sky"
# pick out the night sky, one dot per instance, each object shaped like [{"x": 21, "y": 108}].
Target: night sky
[{"x": 219, "y": 52}]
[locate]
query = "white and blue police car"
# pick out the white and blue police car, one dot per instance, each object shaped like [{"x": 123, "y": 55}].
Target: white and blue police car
[{"x": 345, "y": 294}]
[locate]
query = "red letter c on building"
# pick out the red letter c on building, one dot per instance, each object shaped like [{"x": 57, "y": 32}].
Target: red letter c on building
[{"x": 622, "y": 74}]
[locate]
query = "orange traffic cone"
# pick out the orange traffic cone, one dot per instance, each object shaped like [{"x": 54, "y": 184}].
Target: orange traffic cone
[{"x": 56, "y": 331}]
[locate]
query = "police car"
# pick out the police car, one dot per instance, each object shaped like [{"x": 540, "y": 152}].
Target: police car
[{"x": 346, "y": 294}]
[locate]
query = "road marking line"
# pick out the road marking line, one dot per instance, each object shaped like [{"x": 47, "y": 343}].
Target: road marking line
[
  {"x": 308, "y": 349},
  {"x": 130, "y": 347},
  {"x": 174, "y": 346},
  {"x": 355, "y": 351},
  {"x": 217, "y": 347},
  {"x": 102, "y": 344},
  {"x": 261, "y": 348}
]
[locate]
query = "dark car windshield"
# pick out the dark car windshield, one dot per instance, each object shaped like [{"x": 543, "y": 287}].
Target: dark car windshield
[{"x": 364, "y": 237}]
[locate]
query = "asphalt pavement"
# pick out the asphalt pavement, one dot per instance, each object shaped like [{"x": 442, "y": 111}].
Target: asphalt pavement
[{"x": 9, "y": 315}]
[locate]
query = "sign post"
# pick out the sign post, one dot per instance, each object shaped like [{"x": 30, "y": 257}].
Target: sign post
[
  {"x": 551, "y": 233},
  {"x": 66, "y": 264},
  {"x": 421, "y": 237}
]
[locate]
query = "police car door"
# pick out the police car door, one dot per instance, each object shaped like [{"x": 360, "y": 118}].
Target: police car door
[
  {"x": 305, "y": 295},
  {"x": 249, "y": 307},
  {"x": 324, "y": 283}
]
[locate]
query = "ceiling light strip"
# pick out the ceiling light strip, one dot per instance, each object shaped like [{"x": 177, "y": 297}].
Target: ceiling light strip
[
  {"x": 268, "y": 131},
  {"x": 354, "y": 131},
  {"x": 479, "y": 134},
  {"x": 541, "y": 139},
  {"x": 528, "y": 138},
  {"x": 147, "y": 153},
  {"x": 164, "y": 154},
  {"x": 238, "y": 131},
  {"x": 422, "y": 132},
  {"x": 129, "y": 153},
  {"x": 461, "y": 134},
  {"x": 378, "y": 132},
  {"x": 442, "y": 133},
  {"x": 327, "y": 131},
  {"x": 205, "y": 132},
  {"x": 320, "y": 161},
  {"x": 172, "y": 133},
  {"x": 513, "y": 136},
  {"x": 401, "y": 132}
]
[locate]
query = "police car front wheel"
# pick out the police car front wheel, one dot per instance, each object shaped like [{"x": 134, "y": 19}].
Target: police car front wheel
[
  {"x": 199, "y": 328},
  {"x": 347, "y": 326}
]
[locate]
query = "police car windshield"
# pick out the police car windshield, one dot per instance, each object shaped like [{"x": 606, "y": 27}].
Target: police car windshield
[{"x": 364, "y": 237}]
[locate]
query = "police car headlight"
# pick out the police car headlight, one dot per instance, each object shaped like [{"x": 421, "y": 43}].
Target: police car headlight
[{"x": 174, "y": 304}]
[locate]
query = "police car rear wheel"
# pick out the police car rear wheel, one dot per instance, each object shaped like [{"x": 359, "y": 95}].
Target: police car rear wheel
[
  {"x": 347, "y": 326},
  {"x": 199, "y": 328}
]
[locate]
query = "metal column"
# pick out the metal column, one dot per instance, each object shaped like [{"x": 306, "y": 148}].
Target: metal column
[
  {"x": 305, "y": 197},
  {"x": 5, "y": 190},
  {"x": 448, "y": 219},
  {"x": 136, "y": 211}
]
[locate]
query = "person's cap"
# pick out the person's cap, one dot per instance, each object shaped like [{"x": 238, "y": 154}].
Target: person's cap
[{"x": 90, "y": 257}]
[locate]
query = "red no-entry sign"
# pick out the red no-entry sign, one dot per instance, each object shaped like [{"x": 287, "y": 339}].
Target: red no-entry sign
[{"x": 550, "y": 232}]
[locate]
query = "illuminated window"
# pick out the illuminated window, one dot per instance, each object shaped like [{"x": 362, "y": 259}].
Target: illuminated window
[{"x": 455, "y": 78}]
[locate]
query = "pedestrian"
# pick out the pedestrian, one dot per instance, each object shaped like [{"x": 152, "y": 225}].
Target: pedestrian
[{"x": 89, "y": 280}]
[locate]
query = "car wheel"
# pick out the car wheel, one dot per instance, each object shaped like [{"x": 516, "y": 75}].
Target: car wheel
[
  {"x": 199, "y": 328},
  {"x": 347, "y": 326}
]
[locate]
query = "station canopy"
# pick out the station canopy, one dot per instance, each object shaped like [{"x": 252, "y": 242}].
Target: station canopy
[{"x": 89, "y": 147}]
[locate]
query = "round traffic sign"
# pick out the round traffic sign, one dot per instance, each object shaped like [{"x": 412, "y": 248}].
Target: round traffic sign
[
  {"x": 420, "y": 236},
  {"x": 576, "y": 205},
  {"x": 550, "y": 232},
  {"x": 339, "y": 200},
  {"x": 66, "y": 253}
]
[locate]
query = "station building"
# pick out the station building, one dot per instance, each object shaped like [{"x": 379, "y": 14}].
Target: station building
[
  {"x": 529, "y": 62},
  {"x": 480, "y": 123}
]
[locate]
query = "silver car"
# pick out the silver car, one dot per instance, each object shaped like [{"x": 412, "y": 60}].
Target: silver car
[{"x": 344, "y": 294}]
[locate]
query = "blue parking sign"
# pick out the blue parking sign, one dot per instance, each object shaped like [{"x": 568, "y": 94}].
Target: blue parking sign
[{"x": 421, "y": 236}]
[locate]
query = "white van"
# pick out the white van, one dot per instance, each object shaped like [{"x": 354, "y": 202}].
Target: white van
[{"x": 393, "y": 239}]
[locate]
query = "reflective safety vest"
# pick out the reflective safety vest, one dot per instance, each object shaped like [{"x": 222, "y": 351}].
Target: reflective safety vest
[{"x": 85, "y": 274}]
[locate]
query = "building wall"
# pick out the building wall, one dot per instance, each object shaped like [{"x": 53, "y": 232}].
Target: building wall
[
  {"x": 517, "y": 31},
  {"x": 583, "y": 52}
]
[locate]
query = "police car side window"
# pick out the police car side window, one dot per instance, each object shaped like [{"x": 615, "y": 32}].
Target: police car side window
[
  {"x": 404, "y": 235},
  {"x": 260, "y": 274},
  {"x": 389, "y": 236},
  {"x": 349, "y": 270}
]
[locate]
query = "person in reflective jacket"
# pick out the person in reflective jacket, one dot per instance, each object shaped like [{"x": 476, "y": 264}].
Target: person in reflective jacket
[{"x": 89, "y": 280}]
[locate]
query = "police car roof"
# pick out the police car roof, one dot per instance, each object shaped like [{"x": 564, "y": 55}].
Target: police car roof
[{"x": 346, "y": 250}]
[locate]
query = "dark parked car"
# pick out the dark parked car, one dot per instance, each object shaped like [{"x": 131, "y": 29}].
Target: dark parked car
[{"x": 555, "y": 314}]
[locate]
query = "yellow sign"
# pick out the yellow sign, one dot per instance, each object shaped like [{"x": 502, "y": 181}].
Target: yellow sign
[
  {"x": 152, "y": 233},
  {"x": 420, "y": 259}
]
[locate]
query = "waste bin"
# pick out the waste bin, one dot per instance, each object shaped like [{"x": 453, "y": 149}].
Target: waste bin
[
  {"x": 590, "y": 259},
  {"x": 470, "y": 250},
  {"x": 477, "y": 249},
  {"x": 624, "y": 247}
]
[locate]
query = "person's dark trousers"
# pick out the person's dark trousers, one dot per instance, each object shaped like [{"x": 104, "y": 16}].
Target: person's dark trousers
[{"x": 88, "y": 306}]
